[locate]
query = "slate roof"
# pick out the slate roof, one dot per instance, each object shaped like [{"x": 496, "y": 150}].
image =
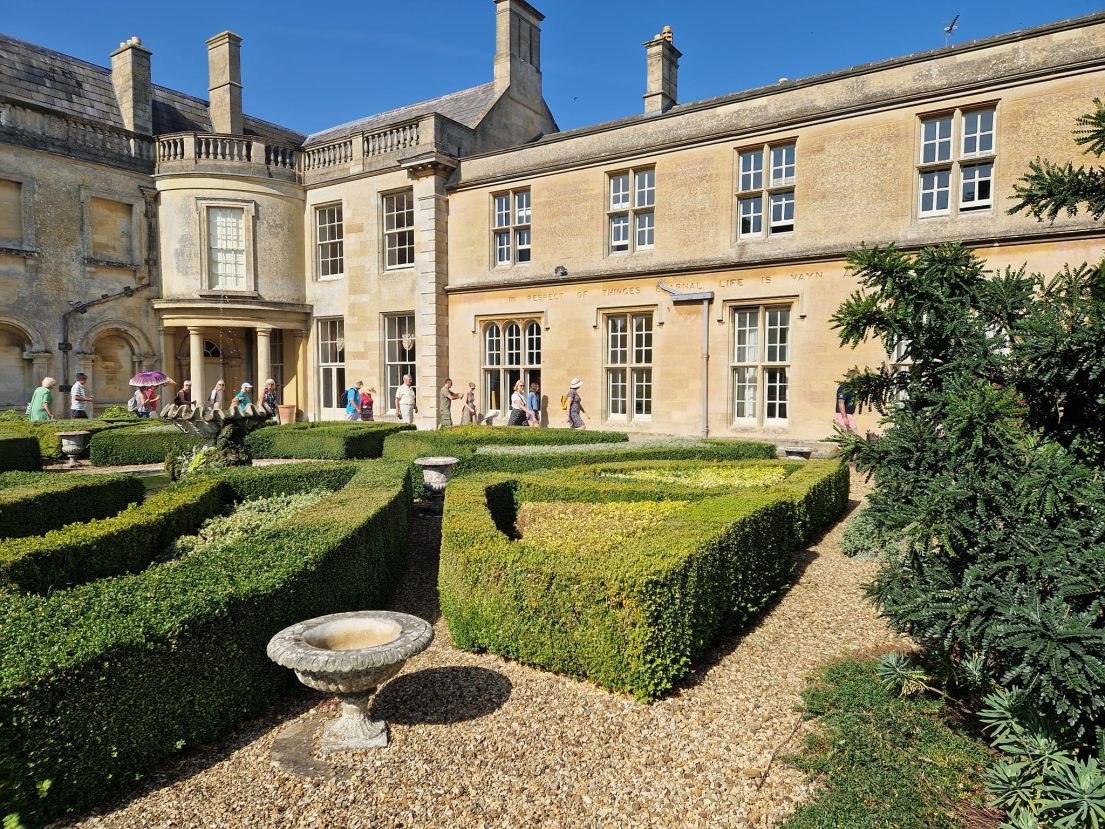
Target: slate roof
[
  {"x": 467, "y": 107},
  {"x": 73, "y": 87}
]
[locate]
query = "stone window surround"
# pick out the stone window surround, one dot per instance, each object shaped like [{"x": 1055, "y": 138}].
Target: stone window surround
[
  {"x": 249, "y": 213},
  {"x": 382, "y": 198},
  {"x": 512, "y": 227},
  {"x": 767, "y": 187},
  {"x": 630, "y": 366},
  {"x": 499, "y": 368},
  {"x": 137, "y": 210},
  {"x": 632, "y": 209},
  {"x": 315, "y": 208},
  {"x": 27, "y": 204},
  {"x": 387, "y": 388},
  {"x": 761, "y": 364},
  {"x": 957, "y": 162}
]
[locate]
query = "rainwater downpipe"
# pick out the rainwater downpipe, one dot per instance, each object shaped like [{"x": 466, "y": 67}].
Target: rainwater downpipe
[
  {"x": 704, "y": 297},
  {"x": 82, "y": 308}
]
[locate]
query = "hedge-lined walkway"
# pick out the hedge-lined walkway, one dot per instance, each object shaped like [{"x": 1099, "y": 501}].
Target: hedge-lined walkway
[{"x": 480, "y": 742}]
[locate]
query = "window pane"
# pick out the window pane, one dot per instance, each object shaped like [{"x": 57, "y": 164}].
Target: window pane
[
  {"x": 502, "y": 210},
  {"x": 521, "y": 239},
  {"x": 533, "y": 344},
  {"x": 775, "y": 393},
  {"x": 744, "y": 393},
  {"x": 751, "y": 216},
  {"x": 399, "y": 229},
  {"x": 492, "y": 345},
  {"x": 975, "y": 192},
  {"x": 226, "y": 247},
  {"x": 642, "y": 391},
  {"x": 646, "y": 229},
  {"x": 746, "y": 335},
  {"x": 329, "y": 248},
  {"x": 978, "y": 132},
  {"x": 935, "y": 191},
  {"x": 936, "y": 140},
  {"x": 399, "y": 333},
  {"x": 782, "y": 164},
  {"x": 642, "y": 338},
  {"x": 502, "y": 247},
  {"x": 778, "y": 335},
  {"x": 782, "y": 212},
  {"x": 513, "y": 344},
  {"x": 619, "y": 191},
  {"x": 646, "y": 188},
  {"x": 751, "y": 170},
  {"x": 619, "y": 232},
  {"x": 522, "y": 212},
  {"x": 492, "y": 390},
  {"x": 616, "y": 391},
  {"x": 617, "y": 352}
]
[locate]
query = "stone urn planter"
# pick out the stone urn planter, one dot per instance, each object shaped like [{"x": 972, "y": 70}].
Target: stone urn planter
[
  {"x": 351, "y": 655},
  {"x": 436, "y": 471},
  {"x": 73, "y": 446}
]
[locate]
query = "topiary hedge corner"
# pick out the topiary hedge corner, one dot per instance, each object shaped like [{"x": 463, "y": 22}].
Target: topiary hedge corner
[
  {"x": 38, "y": 502},
  {"x": 323, "y": 440},
  {"x": 101, "y": 681},
  {"x": 19, "y": 453},
  {"x": 633, "y": 617},
  {"x": 135, "y": 445},
  {"x": 46, "y": 433}
]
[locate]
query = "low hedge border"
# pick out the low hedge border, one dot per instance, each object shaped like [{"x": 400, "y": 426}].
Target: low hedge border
[
  {"x": 129, "y": 541},
  {"x": 462, "y": 441},
  {"x": 326, "y": 441},
  {"x": 633, "y": 619},
  {"x": 46, "y": 432},
  {"x": 36, "y": 503},
  {"x": 19, "y": 453},
  {"x": 134, "y": 445},
  {"x": 100, "y": 682}
]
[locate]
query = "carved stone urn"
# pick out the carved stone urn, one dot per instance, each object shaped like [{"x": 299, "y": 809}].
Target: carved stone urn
[
  {"x": 73, "y": 445},
  {"x": 436, "y": 472},
  {"x": 351, "y": 655}
]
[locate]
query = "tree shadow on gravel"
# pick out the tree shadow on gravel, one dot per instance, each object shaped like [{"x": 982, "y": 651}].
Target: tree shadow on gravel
[{"x": 440, "y": 696}]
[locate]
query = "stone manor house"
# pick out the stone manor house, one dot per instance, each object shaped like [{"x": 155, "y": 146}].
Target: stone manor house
[{"x": 683, "y": 262}]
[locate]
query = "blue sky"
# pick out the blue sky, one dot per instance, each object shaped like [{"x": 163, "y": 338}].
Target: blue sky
[{"x": 311, "y": 65}]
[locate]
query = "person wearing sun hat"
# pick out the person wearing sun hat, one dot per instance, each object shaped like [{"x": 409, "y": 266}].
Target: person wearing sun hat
[
  {"x": 575, "y": 405},
  {"x": 241, "y": 399}
]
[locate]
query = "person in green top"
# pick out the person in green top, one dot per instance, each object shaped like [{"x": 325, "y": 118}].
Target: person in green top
[{"x": 41, "y": 401}]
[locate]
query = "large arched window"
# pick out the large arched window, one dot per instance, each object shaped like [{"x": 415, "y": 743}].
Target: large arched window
[{"x": 511, "y": 352}]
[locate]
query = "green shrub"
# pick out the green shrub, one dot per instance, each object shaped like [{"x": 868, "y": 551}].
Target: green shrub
[
  {"x": 46, "y": 433},
  {"x": 35, "y": 503},
  {"x": 100, "y": 682},
  {"x": 131, "y": 445},
  {"x": 19, "y": 453},
  {"x": 632, "y": 617},
  {"x": 128, "y": 541},
  {"x": 461, "y": 441},
  {"x": 327, "y": 441}
]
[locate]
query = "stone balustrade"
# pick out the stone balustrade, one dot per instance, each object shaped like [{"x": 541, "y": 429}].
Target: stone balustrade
[
  {"x": 42, "y": 129},
  {"x": 226, "y": 154},
  {"x": 359, "y": 146}
]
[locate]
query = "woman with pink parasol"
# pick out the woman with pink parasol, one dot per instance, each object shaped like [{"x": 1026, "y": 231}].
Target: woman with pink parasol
[{"x": 145, "y": 400}]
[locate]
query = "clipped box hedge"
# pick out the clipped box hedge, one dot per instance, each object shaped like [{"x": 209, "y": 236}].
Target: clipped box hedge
[
  {"x": 19, "y": 453},
  {"x": 633, "y": 618},
  {"x": 33, "y": 503},
  {"x": 100, "y": 682},
  {"x": 323, "y": 440},
  {"x": 461, "y": 441},
  {"x": 133, "y": 445},
  {"x": 46, "y": 432}
]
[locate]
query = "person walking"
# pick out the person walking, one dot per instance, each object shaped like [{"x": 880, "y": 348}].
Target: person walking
[
  {"x": 149, "y": 400},
  {"x": 80, "y": 401},
  {"x": 184, "y": 394},
  {"x": 39, "y": 408},
  {"x": 519, "y": 408},
  {"x": 534, "y": 401},
  {"x": 575, "y": 405},
  {"x": 353, "y": 401},
  {"x": 406, "y": 404},
  {"x": 367, "y": 404},
  {"x": 215, "y": 399},
  {"x": 242, "y": 399},
  {"x": 445, "y": 404},
  {"x": 845, "y": 414},
  {"x": 468, "y": 407},
  {"x": 268, "y": 396}
]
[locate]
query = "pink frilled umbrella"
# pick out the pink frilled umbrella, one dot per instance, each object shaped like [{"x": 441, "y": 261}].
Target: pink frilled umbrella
[{"x": 150, "y": 379}]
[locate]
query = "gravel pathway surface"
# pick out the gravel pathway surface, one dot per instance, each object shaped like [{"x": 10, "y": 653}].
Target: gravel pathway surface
[{"x": 477, "y": 741}]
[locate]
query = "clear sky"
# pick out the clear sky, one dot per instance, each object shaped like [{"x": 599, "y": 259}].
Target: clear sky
[{"x": 310, "y": 65}]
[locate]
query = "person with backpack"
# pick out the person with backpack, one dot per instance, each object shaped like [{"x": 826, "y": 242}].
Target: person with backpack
[
  {"x": 353, "y": 401},
  {"x": 573, "y": 405}
]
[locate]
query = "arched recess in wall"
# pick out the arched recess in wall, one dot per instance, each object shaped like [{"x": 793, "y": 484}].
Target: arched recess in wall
[
  {"x": 16, "y": 382},
  {"x": 118, "y": 348}
]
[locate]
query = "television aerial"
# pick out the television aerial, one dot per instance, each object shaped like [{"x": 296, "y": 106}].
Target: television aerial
[{"x": 951, "y": 27}]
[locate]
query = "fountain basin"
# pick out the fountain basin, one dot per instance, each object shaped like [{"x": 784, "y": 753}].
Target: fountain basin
[
  {"x": 436, "y": 471},
  {"x": 351, "y": 655}
]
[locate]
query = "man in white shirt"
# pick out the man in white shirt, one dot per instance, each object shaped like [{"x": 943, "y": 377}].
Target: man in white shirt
[
  {"x": 405, "y": 405},
  {"x": 80, "y": 401}
]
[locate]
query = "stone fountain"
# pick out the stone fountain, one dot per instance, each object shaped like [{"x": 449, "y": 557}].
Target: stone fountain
[
  {"x": 223, "y": 432},
  {"x": 351, "y": 655}
]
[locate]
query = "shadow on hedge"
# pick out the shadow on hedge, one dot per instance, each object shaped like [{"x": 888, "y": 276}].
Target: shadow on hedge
[{"x": 440, "y": 696}]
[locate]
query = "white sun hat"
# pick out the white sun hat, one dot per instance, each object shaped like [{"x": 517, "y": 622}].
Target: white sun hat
[{"x": 576, "y": 383}]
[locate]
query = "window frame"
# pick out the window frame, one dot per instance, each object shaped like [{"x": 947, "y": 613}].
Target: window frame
[
  {"x": 339, "y": 241},
  {"x": 386, "y": 235},
  {"x": 957, "y": 162},
  {"x": 760, "y": 183},
  {"x": 631, "y": 212},
  {"x": 501, "y": 374},
  {"x": 636, "y": 372},
  {"x": 760, "y": 363},
  {"x": 409, "y": 362},
  {"x": 249, "y": 213},
  {"x": 333, "y": 370},
  {"x": 512, "y": 230}
]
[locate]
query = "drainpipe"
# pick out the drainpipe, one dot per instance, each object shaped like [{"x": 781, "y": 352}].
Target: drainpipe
[
  {"x": 704, "y": 297},
  {"x": 82, "y": 308}
]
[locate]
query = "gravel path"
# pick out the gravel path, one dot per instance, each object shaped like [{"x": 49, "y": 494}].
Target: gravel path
[{"x": 477, "y": 741}]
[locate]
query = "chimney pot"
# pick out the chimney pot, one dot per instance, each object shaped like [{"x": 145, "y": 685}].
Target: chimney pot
[
  {"x": 662, "y": 65},
  {"x": 130, "y": 78}
]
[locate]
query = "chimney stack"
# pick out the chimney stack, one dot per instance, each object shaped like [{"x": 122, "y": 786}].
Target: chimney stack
[
  {"x": 224, "y": 67},
  {"x": 518, "y": 49},
  {"x": 130, "y": 76},
  {"x": 662, "y": 60}
]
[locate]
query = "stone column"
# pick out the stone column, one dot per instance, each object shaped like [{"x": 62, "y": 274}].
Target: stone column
[
  {"x": 301, "y": 372},
  {"x": 431, "y": 319},
  {"x": 195, "y": 365},
  {"x": 168, "y": 354},
  {"x": 264, "y": 359}
]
